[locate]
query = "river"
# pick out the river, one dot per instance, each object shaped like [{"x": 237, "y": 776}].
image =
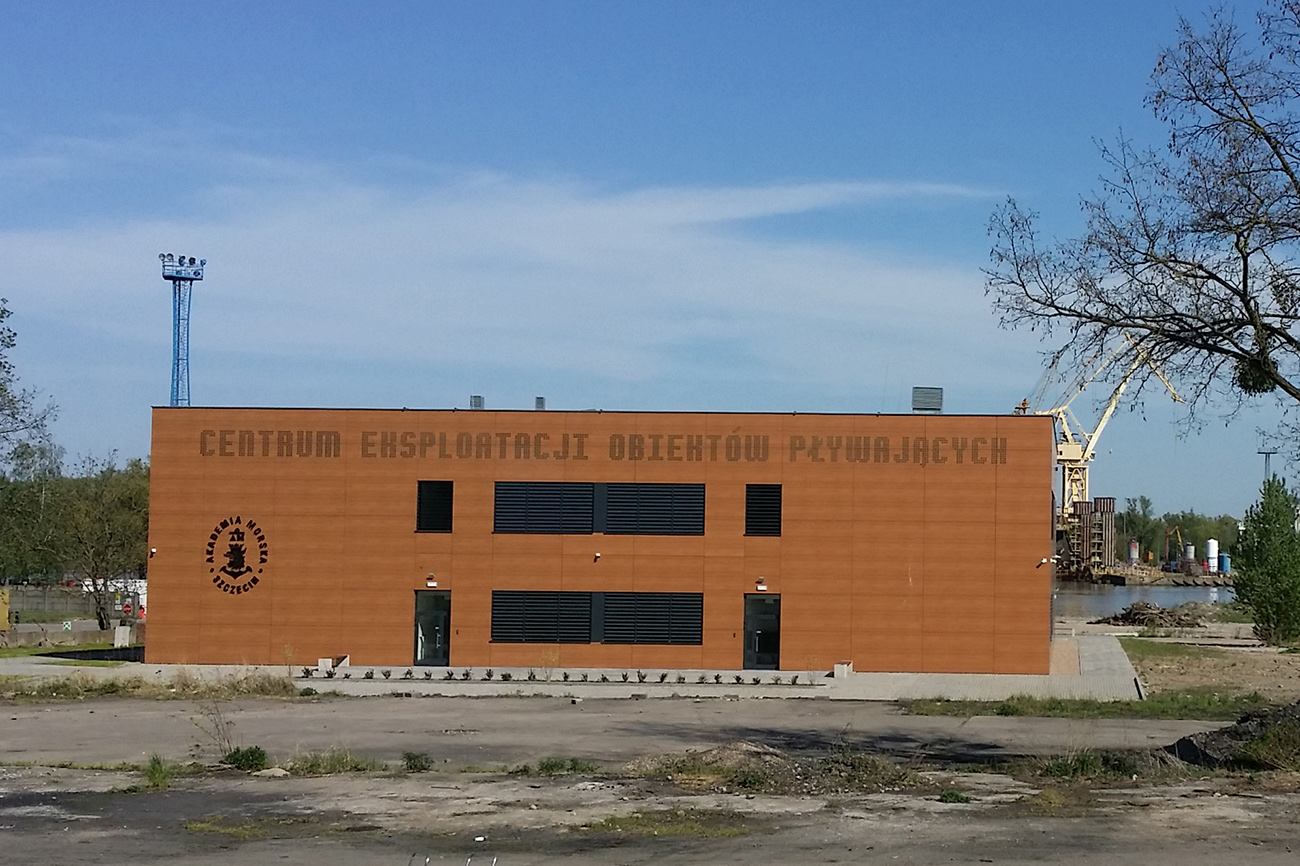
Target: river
[{"x": 1092, "y": 601}]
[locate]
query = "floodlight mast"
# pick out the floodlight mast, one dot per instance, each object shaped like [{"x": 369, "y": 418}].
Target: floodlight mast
[{"x": 181, "y": 272}]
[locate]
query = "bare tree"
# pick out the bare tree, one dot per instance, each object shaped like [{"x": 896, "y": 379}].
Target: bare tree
[{"x": 1192, "y": 250}]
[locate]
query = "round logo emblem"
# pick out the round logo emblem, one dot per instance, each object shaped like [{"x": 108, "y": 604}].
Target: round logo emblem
[{"x": 236, "y": 555}]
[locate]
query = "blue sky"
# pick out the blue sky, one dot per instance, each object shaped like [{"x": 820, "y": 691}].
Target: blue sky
[{"x": 735, "y": 206}]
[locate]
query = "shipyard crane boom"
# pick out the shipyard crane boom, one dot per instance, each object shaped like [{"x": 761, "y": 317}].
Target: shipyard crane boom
[{"x": 1077, "y": 446}]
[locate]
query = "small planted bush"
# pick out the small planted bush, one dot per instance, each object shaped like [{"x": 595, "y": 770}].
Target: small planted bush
[{"x": 368, "y": 675}]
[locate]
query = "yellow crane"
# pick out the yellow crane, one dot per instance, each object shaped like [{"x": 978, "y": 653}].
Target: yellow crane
[{"x": 1076, "y": 445}]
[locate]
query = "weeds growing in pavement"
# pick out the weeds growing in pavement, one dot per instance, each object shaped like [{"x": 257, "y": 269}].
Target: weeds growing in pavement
[
  {"x": 158, "y": 773},
  {"x": 333, "y": 760}
]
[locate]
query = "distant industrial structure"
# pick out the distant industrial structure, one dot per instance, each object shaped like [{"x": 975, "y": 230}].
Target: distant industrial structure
[{"x": 181, "y": 272}]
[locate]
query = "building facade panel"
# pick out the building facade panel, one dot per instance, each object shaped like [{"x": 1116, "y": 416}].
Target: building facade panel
[{"x": 907, "y": 543}]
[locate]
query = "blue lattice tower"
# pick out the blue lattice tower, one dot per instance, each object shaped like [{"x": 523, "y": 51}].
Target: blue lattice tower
[{"x": 181, "y": 272}]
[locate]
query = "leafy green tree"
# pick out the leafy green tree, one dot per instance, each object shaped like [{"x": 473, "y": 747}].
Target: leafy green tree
[
  {"x": 106, "y": 525},
  {"x": 1267, "y": 562}
]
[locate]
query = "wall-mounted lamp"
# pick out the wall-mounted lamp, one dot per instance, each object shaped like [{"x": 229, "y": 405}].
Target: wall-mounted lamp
[
  {"x": 152, "y": 551},
  {"x": 760, "y": 585},
  {"x": 1046, "y": 560},
  {"x": 432, "y": 582},
  {"x": 595, "y": 558}
]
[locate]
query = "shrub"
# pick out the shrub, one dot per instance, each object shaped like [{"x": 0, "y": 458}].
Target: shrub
[
  {"x": 417, "y": 762},
  {"x": 250, "y": 759}
]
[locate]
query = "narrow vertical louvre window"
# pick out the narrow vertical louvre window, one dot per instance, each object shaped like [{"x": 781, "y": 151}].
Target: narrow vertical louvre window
[
  {"x": 762, "y": 509},
  {"x": 654, "y": 617},
  {"x": 433, "y": 506},
  {"x": 654, "y": 509},
  {"x": 546, "y": 507},
  {"x": 541, "y": 617}
]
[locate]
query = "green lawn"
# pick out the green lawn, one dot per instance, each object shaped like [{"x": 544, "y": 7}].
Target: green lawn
[{"x": 1204, "y": 704}]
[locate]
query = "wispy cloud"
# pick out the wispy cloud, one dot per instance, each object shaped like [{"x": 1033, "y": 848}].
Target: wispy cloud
[{"x": 598, "y": 292}]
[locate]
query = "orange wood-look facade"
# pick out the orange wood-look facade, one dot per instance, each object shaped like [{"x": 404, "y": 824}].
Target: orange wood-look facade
[{"x": 920, "y": 554}]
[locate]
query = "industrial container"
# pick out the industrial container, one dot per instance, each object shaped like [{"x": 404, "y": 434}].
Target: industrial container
[
  {"x": 1212, "y": 555},
  {"x": 1189, "y": 553},
  {"x": 1132, "y": 553},
  {"x": 1225, "y": 563}
]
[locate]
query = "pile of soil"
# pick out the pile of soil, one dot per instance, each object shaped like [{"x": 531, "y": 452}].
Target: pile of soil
[
  {"x": 1144, "y": 614},
  {"x": 1268, "y": 739},
  {"x": 747, "y": 766}
]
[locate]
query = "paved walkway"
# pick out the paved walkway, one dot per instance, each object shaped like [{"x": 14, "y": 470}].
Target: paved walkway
[
  {"x": 1090, "y": 666},
  {"x": 1086, "y": 666}
]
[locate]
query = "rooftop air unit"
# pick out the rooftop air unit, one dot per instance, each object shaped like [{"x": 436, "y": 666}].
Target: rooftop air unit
[{"x": 927, "y": 401}]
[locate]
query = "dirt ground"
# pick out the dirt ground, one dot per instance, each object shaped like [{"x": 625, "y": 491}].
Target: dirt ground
[
  {"x": 667, "y": 788},
  {"x": 56, "y": 816},
  {"x": 1273, "y": 674}
]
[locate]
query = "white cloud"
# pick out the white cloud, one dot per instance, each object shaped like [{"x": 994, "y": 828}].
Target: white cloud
[{"x": 638, "y": 288}]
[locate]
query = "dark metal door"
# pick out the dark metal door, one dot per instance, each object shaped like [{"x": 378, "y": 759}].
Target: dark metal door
[
  {"x": 762, "y": 632},
  {"x": 432, "y": 628}
]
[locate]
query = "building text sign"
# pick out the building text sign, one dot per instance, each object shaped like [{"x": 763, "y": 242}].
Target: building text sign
[{"x": 614, "y": 447}]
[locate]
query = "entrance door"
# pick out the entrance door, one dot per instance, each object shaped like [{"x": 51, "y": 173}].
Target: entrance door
[
  {"x": 432, "y": 628},
  {"x": 762, "y": 632}
]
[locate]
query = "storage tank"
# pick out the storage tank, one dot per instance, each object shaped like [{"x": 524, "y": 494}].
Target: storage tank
[
  {"x": 1132, "y": 553},
  {"x": 1189, "y": 553},
  {"x": 1212, "y": 555},
  {"x": 1225, "y": 563}
]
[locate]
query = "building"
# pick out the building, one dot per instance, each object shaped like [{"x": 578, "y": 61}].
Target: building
[{"x": 601, "y": 539}]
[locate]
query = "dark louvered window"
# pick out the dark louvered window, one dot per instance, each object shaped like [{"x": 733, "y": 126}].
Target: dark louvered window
[
  {"x": 762, "y": 509},
  {"x": 433, "y": 506},
  {"x": 547, "y": 507},
  {"x": 572, "y": 508},
  {"x": 654, "y": 617},
  {"x": 541, "y": 617},
  {"x": 654, "y": 509}
]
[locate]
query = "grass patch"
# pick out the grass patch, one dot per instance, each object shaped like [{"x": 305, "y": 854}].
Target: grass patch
[
  {"x": 183, "y": 684},
  {"x": 700, "y": 823},
  {"x": 949, "y": 795},
  {"x": 88, "y": 663},
  {"x": 556, "y": 767},
  {"x": 1141, "y": 649},
  {"x": 1204, "y": 703},
  {"x": 13, "y": 652},
  {"x": 333, "y": 760},
  {"x": 1278, "y": 748},
  {"x": 247, "y": 829}
]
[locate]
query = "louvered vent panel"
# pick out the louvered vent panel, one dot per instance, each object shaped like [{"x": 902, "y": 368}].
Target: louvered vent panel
[
  {"x": 433, "y": 506},
  {"x": 654, "y": 509},
  {"x": 508, "y": 616},
  {"x": 762, "y": 509}
]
